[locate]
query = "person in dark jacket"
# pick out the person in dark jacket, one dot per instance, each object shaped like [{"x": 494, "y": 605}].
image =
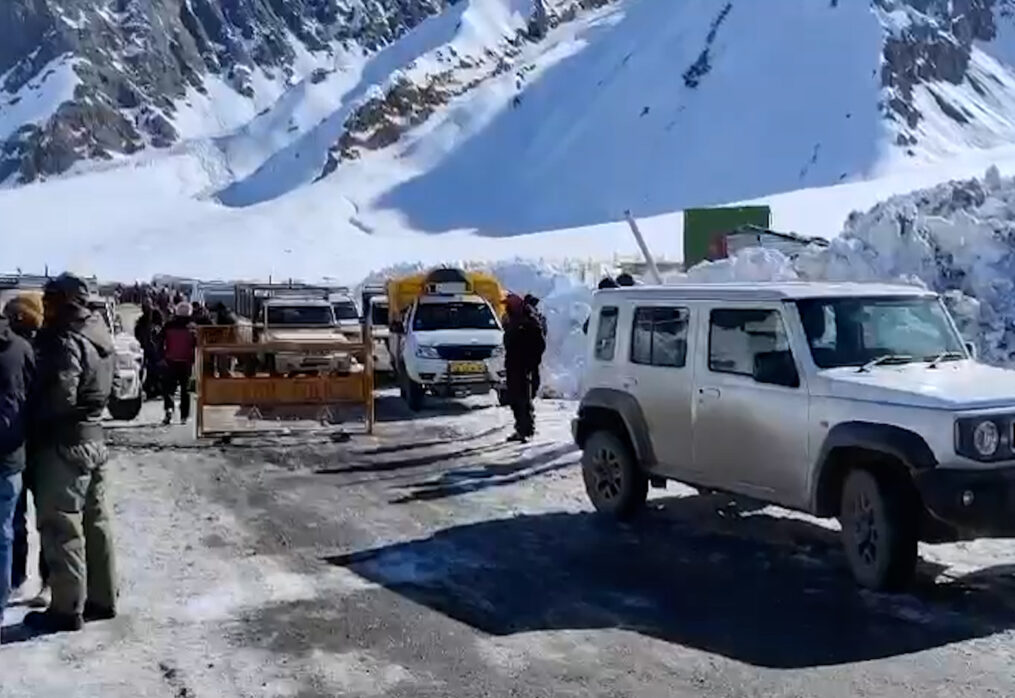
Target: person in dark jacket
[
  {"x": 146, "y": 329},
  {"x": 532, "y": 304},
  {"x": 179, "y": 344},
  {"x": 225, "y": 318},
  {"x": 73, "y": 382},
  {"x": 24, "y": 313},
  {"x": 524, "y": 345},
  {"x": 17, "y": 369},
  {"x": 625, "y": 280}
]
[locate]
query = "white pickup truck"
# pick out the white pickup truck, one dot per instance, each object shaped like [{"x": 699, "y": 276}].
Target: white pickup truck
[
  {"x": 448, "y": 345},
  {"x": 347, "y": 316}
]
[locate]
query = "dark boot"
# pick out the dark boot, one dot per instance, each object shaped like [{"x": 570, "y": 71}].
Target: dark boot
[
  {"x": 52, "y": 622},
  {"x": 94, "y": 612}
]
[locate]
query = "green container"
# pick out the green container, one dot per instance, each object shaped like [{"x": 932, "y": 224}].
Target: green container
[{"x": 705, "y": 228}]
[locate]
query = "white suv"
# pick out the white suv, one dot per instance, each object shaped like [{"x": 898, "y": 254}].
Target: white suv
[{"x": 857, "y": 401}]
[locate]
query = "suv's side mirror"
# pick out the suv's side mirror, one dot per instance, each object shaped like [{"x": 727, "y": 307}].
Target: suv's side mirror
[
  {"x": 973, "y": 351},
  {"x": 776, "y": 368},
  {"x": 397, "y": 327}
]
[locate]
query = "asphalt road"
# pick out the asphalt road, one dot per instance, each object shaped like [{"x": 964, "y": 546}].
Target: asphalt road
[{"x": 434, "y": 559}]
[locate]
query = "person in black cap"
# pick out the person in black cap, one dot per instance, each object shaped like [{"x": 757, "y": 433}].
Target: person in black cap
[
  {"x": 74, "y": 379},
  {"x": 624, "y": 280}
]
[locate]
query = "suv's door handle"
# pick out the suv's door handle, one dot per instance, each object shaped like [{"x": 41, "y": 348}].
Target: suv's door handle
[
  {"x": 709, "y": 392},
  {"x": 629, "y": 382}
]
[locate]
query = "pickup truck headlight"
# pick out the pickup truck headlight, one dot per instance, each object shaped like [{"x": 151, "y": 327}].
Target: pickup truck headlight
[
  {"x": 425, "y": 351},
  {"x": 984, "y": 438}
]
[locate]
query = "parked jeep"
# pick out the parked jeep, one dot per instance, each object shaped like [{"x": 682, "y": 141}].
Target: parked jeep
[{"x": 855, "y": 401}]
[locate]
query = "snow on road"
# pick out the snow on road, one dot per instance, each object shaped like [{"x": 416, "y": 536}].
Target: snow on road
[{"x": 435, "y": 559}]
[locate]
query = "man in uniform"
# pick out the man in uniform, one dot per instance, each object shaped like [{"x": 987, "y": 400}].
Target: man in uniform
[{"x": 74, "y": 379}]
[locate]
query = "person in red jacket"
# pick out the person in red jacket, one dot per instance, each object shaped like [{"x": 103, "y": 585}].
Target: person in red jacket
[{"x": 179, "y": 343}]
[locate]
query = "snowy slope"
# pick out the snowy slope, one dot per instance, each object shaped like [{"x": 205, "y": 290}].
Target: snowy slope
[{"x": 532, "y": 148}]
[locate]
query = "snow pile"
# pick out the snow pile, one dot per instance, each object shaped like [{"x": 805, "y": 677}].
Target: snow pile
[{"x": 957, "y": 238}]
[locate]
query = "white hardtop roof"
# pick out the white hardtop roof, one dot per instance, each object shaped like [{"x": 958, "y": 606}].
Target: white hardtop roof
[
  {"x": 766, "y": 291},
  {"x": 296, "y": 301},
  {"x": 451, "y": 298},
  {"x": 340, "y": 298}
]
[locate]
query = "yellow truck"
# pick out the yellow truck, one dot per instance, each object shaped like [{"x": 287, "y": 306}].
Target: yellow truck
[{"x": 446, "y": 338}]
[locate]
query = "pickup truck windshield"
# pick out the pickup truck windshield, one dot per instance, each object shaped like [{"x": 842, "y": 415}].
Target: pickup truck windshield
[
  {"x": 379, "y": 315},
  {"x": 453, "y": 316},
  {"x": 345, "y": 311},
  {"x": 856, "y": 331},
  {"x": 301, "y": 315}
]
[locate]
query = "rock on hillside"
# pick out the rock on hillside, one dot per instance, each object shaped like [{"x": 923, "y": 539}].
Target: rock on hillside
[{"x": 133, "y": 60}]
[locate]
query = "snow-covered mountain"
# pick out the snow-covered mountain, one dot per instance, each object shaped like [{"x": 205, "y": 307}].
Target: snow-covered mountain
[{"x": 329, "y": 137}]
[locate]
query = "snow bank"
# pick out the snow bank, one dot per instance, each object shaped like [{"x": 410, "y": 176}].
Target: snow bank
[{"x": 957, "y": 238}]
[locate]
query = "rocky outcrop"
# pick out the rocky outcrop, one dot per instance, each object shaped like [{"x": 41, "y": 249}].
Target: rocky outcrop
[
  {"x": 136, "y": 58},
  {"x": 934, "y": 45}
]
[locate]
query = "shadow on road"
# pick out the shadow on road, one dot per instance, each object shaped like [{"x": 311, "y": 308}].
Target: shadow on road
[
  {"x": 763, "y": 590},
  {"x": 473, "y": 479},
  {"x": 392, "y": 408}
]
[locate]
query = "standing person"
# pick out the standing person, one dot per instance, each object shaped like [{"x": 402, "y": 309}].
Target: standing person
[
  {"x": 225, "y": 318},
  {"x": 178, "y": 346},
  {"x": 74, "y": 379},
  {"x": 25, "y": 316},
  {"x": 523, "y": 351},
  {"x": 17, "y": 368},
  {"x": 532, "y": 305},
  {"x": 200, "y": 314},
  {"x": 145, "y": 331}
]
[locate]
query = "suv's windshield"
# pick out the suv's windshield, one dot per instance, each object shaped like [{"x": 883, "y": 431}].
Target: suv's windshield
[
  {"x": 857, "y": 331},
  {"x": 345, "y": 310},
  {"x": 300, "y": 315},
  {"x": 453, "y": 316}
]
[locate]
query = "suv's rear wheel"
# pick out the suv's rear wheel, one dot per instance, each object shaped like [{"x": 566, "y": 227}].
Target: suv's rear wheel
[
  {"x": 879, "y": 529},
  {"x": 613, "y": 480}
]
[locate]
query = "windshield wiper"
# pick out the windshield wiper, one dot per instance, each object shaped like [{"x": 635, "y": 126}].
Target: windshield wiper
[
  {"x": 945, "y": 356},
  {"x": 884, "y": 359}
]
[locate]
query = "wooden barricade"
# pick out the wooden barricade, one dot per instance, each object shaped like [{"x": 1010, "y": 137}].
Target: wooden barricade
[{"x": 257, "y": 389}]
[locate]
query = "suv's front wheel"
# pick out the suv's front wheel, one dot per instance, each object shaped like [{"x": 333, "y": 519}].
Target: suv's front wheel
[
  {"x": 613, "y": 480},
  {"x": 879, "y": 530}
]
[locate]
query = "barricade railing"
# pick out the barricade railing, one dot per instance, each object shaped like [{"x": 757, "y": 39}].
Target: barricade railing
[{"x": 321, "y": 373}]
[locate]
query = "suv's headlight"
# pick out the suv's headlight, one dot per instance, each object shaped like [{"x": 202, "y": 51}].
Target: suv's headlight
[
  {"x": 425, "y": 351},
  {"x": 498, "y": 350},
  {"x": 984, "y": 438}
]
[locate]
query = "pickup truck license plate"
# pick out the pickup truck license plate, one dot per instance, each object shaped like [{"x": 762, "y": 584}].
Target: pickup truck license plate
[{"x": 460, "y": 367}]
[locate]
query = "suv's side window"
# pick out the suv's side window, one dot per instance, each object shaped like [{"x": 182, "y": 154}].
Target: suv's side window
[
  {"x": 606, "y": 333},
  {"x": 659, "y": 337},
  {"x": 740, "y": 339}
]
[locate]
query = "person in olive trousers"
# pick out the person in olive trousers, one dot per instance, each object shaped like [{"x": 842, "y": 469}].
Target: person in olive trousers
[{"x": 74, "y": 375}]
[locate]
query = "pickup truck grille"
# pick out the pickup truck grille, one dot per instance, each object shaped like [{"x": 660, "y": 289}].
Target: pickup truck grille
[{"x": 454, "y": 352}]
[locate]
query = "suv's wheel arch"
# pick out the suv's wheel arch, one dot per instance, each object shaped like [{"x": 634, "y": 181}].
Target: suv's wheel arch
[
  {"x": 892, "y": 449},
  {"x": 619, "y": 412}
]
